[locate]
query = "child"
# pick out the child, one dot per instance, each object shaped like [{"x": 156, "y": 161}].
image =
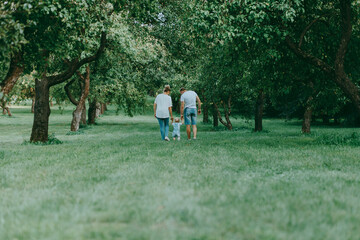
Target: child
[{"x": 176, "y": 130}]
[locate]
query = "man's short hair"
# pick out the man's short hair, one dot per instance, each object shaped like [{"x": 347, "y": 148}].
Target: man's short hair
[{"x": 182, "y": 89}]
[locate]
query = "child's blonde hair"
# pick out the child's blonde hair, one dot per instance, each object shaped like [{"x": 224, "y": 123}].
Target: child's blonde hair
[{"x": 177, "y": 119}]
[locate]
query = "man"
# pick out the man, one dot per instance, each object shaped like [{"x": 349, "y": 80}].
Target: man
[{"x": 188, "y": 109}]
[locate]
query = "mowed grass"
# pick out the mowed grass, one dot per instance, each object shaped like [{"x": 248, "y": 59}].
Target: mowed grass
[{"x": 118, "y": 180}]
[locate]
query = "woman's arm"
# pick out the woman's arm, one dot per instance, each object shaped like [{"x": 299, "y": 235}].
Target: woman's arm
[
  {"x": 170, "y": 111},
  {"x": 154, "y": 109}
]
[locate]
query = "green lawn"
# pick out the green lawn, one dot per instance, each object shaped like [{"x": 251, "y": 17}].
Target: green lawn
[{"x": 117, "y": 180}]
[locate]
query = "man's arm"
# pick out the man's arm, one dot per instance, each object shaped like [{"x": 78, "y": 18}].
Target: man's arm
[
  {"x": 154, "y": 109},
  {"x": 199, "y": 104},
  {"x": 182, "y": 110}
]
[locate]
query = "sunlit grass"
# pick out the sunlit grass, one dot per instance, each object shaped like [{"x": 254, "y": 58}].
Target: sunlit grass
[{"x": 117, "y": 180}]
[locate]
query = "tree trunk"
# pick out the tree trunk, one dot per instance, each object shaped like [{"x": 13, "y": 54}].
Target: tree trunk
[
  {"x": 83, "y": 115},
  {"x": 6, "y": 109},
  {"x": 78, "y": 113},
  {"x": 228, "y": 123},
  {"x": 259, "y": 110},
  {"x": 98, "y": 110},
  {"x": 16, "y": 68},
  {"x": 33, "y": 105},
  {"x": 205, "y": 108},
  {"x": 92, "y": 112},
  {"x": 307, "y": 116},
  {"x": 215, "y": 118},
  {"x": 206, "y": 113},
  {"x": 41, "y": 111},
  {"x": 307, "y": 120},
  {"x": 326, "y": 119},
  {"x": 103, "y": 108}
]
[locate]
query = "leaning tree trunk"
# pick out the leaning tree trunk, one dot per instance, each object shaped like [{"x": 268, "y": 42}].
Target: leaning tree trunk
[
  {"x": 227, "y": 110},
  {"x": 41, "y": 111},
  {"x": 16, "y": 68},
  {"x": 83, "y": 115},
  {"x": 5, "y": 108},
  {"x": 77, "y": 114},
  {"x": 259, "y": 110}
]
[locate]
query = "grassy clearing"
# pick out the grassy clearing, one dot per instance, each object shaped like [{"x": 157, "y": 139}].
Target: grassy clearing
[{"x": 117, "y": 180}]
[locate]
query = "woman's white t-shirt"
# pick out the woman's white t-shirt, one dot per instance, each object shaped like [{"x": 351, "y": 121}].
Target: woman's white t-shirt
[{"x": 163, "y": 102}]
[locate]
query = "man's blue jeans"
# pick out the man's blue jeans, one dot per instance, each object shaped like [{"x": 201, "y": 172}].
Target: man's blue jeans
[{"x": 164, "y": 127}]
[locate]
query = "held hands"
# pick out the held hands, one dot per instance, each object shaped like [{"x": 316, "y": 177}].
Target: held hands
[
  {"x": 172, "y": 119},
  {"x": 199, "y": 111}
]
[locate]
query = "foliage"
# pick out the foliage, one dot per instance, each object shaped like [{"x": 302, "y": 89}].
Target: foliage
[
  {"x": 257, "y": 31},
  {"x": 11, "y": 30},
  {"x": 129, "y": 69},
  {"x": 24, "y": 89}
]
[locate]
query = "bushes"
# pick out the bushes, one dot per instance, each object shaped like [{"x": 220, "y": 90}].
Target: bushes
[
  {"x": 339, "y": 139},
  {"x": 52, "y": 140}
]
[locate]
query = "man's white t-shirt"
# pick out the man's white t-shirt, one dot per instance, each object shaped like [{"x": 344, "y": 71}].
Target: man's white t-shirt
[
  {"x": 189, "y": 97},
  {"x": 163, "y": 102}
]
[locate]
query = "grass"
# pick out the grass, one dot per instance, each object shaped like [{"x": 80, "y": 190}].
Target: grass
[{"x": 117, "y": 180}]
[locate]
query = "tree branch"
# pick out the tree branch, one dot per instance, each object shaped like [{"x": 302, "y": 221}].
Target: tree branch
[
  {"x": 305, "y": 31},
  {"x": 219, "y": 115},
  {"x": 75, "y": 64},
  {"x": 346, "y": 32},
  {"x": 69, "y": 94},
  {"x": 16, "y": 68},
  {"x": 309, "y": 58}
]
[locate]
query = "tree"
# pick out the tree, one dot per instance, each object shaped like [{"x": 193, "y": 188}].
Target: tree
[
  {"x": 260, "y": 24},
  {"x": 79, "y": 114}
]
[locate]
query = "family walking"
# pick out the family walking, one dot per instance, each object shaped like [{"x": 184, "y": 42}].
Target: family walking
[{"x": 188, "y": 111}]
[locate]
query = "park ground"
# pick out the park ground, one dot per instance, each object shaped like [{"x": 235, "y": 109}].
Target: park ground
[{"x": 118, "y": 180}]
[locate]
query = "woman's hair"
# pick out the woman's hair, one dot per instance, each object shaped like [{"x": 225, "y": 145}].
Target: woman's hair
[{"x": 167, "y": 88}]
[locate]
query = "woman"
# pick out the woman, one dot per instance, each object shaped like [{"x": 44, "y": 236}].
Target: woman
[{"x": 162, "y": 108}]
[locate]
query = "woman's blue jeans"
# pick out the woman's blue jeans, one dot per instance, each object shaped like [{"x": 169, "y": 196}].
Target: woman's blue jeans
[{"x": 164, "y": 127}]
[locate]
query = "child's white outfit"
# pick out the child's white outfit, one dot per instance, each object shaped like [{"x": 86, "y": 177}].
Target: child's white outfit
[{"x": 176, "y": 131}]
